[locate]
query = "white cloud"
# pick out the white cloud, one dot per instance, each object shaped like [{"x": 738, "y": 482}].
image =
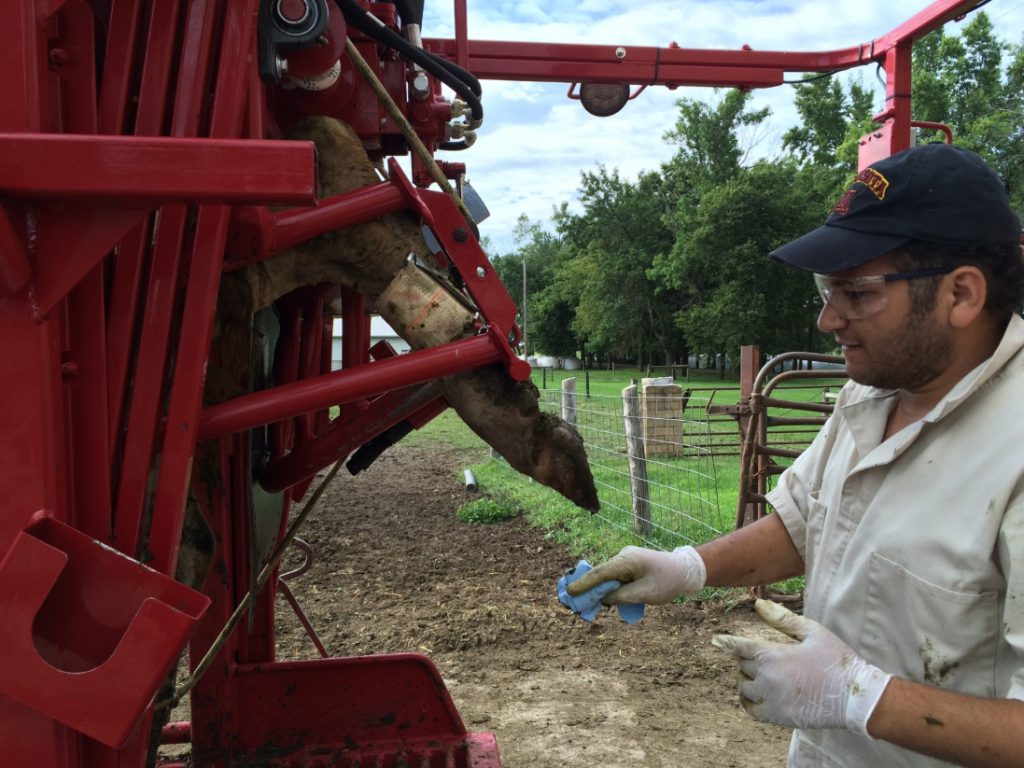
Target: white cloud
[{"x": 535, "y": 142}]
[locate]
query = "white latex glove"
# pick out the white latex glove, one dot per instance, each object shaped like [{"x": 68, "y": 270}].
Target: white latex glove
[
  {"x": 818, "y": 683},
  {"x": 647, "y": 575}
]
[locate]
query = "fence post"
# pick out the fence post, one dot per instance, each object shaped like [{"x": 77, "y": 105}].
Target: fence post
[
  {"x": 752, "y": 468},
  {"x": 637, "y": 461},
  {"x": 586, "y": 382},
  {"x": 544, "y": 378},
  {"x": 569, "y": 400}
]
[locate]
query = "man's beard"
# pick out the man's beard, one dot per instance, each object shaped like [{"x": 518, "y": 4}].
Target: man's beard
[{"x": 907, "y": 358}]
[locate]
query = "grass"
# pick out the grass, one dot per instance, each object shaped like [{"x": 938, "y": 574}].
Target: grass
[{"x": 486, "y": 511}]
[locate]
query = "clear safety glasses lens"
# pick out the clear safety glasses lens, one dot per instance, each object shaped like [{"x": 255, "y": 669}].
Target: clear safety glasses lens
[{"x": 855, "y": 298}]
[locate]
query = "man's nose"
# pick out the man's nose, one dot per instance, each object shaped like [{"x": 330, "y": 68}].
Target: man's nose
[{"x": 829, "y": 320}]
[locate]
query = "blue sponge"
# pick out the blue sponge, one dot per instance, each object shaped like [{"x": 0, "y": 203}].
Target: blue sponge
[{"x": 589, "y": 603}]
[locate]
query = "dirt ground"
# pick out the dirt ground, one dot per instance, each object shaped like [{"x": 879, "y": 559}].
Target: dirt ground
[{"x": 395, "y": 570}]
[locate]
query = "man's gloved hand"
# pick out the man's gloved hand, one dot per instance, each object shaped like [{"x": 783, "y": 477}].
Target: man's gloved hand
[
  {"x": 647, "y": 575},
  {"x": 818, "y": 683}
]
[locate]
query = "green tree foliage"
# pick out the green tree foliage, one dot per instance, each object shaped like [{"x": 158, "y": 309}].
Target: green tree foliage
[
  {"x": 620, "y": 232},
  {"x": 831, "y": 123},
  {"x": 709, "y": 155},
  {"x": 962, "y": 81},
  {"x": 711, "y": 149},
  {"x": 737, "y": 294},
  {"x": 1011, "y": 160},
  {"x": 546, "y": 257}
]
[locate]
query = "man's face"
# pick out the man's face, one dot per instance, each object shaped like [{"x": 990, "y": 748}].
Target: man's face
[{"x": 896, "y": 348}]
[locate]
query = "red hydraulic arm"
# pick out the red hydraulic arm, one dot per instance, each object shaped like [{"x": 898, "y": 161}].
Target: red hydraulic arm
[{"x": 674, "y": 66}]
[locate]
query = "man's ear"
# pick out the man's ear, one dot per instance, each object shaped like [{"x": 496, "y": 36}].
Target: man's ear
[{"x": 967, "y": 290}]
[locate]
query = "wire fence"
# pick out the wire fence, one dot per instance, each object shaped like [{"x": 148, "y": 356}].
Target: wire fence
[
  {"x": 666, "y": 470},
  {"x": 653, "y": 461}
]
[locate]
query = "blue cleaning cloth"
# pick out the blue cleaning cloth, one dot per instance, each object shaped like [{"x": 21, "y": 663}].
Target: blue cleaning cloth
[{"x": 589, "y": 603}]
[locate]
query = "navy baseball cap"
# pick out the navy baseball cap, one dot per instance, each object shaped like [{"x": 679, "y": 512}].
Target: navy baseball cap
[{"x": 938, "y": 193}]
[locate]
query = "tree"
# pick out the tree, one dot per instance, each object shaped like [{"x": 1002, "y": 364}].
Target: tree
[
  {"x": 711, "y": 152},
  {"x": 738, "y": 295},
  {"x": 619, "y": 234},
  {"x": 961, "y": 81},
  {"x": 545, "y": 255},
  {"x": 1012, "y": 156},
  {"x": 825, "y": 142},
  {"x": 711, "y": 149}
]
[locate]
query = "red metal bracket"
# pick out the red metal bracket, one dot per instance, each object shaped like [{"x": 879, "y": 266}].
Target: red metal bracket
[
  {"x": 395, "y": 708},
  {"x": 88, "y": 633},
  {"x": 446, "y": 221},
  {"x": 257, "y": 234}
]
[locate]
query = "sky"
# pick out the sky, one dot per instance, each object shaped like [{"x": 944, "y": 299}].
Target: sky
[{"x": 535, "y": 142}]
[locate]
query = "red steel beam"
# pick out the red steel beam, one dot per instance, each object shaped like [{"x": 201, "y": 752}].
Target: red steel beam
[
  {"x": 258, "y": 234},
  {"x": 570, "y": 63},
  {"x": 927, "y": 20},
  {"x": 148, "y": 389},
  {"x": 226, "y": 119},
  {"x": 86, "y": 356},
  {"x": 344, "y": 386},
  {"x": 671, "y": 66},
  {"x": 121, "y": 42},
  {"x": 355, "y": 328},
  {"x": 897, "y": 94},
  {"x": 98, "y": 167},
  {"x": 14, "y": 267},
  {"x": 129, "y": 261},
  {"x": 345, "y": 434}
]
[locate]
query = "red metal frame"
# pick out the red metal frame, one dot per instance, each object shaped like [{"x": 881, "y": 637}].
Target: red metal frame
[{"x": 128, "y": 190}]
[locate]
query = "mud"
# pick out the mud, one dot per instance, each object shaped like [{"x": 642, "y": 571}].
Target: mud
[{"x": 396, "y": 571}]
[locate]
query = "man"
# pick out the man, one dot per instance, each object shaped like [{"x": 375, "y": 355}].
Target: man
[{"x": 906, "y": 514}]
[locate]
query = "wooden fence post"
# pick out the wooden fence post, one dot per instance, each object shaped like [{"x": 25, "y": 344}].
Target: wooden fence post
[
  {"x": 637, "y": 461},
  {"x": 569, "y": 400}
]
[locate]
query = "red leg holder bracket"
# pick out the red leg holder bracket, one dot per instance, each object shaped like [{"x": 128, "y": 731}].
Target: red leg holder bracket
[
  {"x": 386, "y": 710},
  {"x": 88, "y": 633}
]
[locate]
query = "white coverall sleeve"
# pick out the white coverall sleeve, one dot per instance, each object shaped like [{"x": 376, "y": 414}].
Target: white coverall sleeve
[
  {"x": 789, "y": 497},
  {"x": 1011, "y": 557}
]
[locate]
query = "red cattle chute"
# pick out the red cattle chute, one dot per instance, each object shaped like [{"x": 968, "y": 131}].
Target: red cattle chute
[{"x": 140, "y": 159}]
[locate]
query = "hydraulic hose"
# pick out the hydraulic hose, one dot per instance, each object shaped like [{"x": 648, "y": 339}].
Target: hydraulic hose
[{"x": 451, "y": 74}]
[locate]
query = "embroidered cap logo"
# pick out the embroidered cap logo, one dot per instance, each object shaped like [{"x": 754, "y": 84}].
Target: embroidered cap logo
[{"x": 870, "y": 178}]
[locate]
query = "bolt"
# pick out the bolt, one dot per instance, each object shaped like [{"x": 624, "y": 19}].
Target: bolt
[
  {"x": 620, "y": 53},
  {"x": 68, "y": 370},
  {"x": 59, "y": 56},
  {"x": 481, "y": 272},
  {"x": 460, "y": 235},
  {"x": 420, "y": 85}
]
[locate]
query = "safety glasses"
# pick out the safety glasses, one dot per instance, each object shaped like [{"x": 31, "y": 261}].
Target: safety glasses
[{"x": 854, "y": 298}]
